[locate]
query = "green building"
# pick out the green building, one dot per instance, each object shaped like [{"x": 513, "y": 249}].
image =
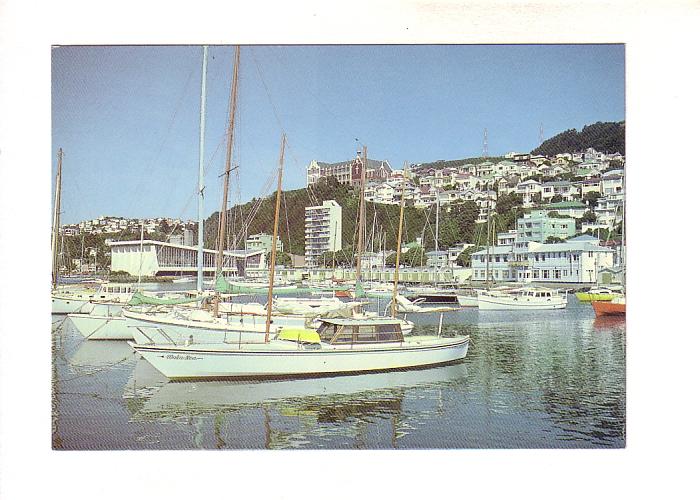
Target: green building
[{"x": 538, "y": 226}]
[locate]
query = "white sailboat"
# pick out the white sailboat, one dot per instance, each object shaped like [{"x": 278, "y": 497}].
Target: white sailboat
[{"x": 340, "y": 346}]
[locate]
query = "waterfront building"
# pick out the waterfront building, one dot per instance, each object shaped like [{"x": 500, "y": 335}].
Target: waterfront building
[
  {"x": 538, "y": 226},
  {"x": 323, "y": 230},
  {"x": 574, "y": 261},
  {"x": 262, "y": 241},
  {"x": 159, "y": 258}
]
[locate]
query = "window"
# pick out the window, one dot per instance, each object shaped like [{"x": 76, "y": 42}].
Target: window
[
  {"x": 557, "y": 274},
  {"x": 535, "y": 273},
  {"x": 545, "y": 274},
  {"x": 566, "y": 272}
]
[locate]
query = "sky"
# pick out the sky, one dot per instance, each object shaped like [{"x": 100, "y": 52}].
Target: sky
[{"x": 127, "y": 117}]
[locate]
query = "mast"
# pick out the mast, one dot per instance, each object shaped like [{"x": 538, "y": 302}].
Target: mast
[
  {"x": 274, "y": 241},
  {"x": 56, "y": 222},
  {"x": 140, "y": 253},
  {"x": 361, "y": 218},
  {"x": 437, "y": 232},
  {"x": 227, "y": 174},
  {"x": 398, "y": 244},
  {"x": 488, "y": 237},
  {"x": 200, "y": 206}
]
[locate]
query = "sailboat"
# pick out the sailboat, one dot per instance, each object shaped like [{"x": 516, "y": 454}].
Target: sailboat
[
  {"x": 618, "y": 305},
  {"x": 339, "y": 345},
  {"x": 102, "y": 317}
]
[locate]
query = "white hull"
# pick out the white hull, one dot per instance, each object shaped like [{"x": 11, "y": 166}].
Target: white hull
[
  {"x": 519, "y": 303},
  {"x": 281, "y": 358},
  {"x": 147, "y": 329},
  {"x": 467, "y": 301},
  {"x": 64, "y": 305},
  {"x": 99, "y": 327}
]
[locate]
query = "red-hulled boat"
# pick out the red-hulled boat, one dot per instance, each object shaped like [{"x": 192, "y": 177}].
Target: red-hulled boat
[{"x": 615, "y": 307}]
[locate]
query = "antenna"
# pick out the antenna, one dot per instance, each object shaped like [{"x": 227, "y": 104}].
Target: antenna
[
  {"x": 485, "y": 152},
  {"x": 541, "y": 133}
]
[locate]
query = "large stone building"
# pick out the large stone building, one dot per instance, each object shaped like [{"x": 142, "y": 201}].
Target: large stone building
[
  {"x": 323, "y": 230},
  {"x": 348, "y": 172}
]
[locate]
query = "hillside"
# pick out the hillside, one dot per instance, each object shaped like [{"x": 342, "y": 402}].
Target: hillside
[
  {"x": 608, "y": 137},
  {"x": 440, "y": 164},
  {"x": 458, "y": 225}
]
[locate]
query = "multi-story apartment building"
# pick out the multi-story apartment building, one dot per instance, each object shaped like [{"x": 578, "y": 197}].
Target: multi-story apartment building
[
  {"x": 262, "y": 241},
  {"x": 323, "y": 230},
  {"x": 538, "y": 226}
]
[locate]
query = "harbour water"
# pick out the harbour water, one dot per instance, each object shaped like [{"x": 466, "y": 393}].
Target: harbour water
[{"x": 544, "y": 379}]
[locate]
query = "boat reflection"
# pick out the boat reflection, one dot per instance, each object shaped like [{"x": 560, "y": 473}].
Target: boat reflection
[
  {"x": 290, "y": 412},
  {"x": 100, "y": 354}
]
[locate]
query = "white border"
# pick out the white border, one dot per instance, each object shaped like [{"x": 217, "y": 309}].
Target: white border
[{"x": 662, "y": 107}]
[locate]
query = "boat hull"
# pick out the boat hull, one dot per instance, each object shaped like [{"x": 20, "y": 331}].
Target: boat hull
[
  {"x": 100, "y": 327},
  {"x": 260, "y": 361},
  {"x": 598, "y": 297},
  {"x": 65, "y": 305},
  {"x": 602, "y": 308},
  {"x": 491, "y": 303},
  {"x": 245, "y": 328}
]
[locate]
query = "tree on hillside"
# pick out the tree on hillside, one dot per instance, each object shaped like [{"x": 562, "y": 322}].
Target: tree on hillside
[
  {"x": 602, "y": 136},
  {"x": 591, "y": 198},
  {"x": 556, "y": 198},
  {"x": 465, "y": 258},
  {"x": 554, "y": 239},
  {"x": 587, "y": 218}
]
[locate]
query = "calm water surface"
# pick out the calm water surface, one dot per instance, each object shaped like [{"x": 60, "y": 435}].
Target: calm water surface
[{"x": 546, "y": 379}]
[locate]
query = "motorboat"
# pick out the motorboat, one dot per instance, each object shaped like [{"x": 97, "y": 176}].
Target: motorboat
[
  {"x": 598, "y": 294},
  {"x": 343, "y": 345},
  {"x": 614, "y": 307},
  {"x": 527, "y": 298},
  {"x": 72, "y": 299}
]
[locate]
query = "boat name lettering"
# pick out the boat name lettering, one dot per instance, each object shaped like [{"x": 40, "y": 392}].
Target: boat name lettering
[{"x": 183, "y": 357}]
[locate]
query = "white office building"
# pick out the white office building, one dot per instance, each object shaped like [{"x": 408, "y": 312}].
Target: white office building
[
  {"x": 578, "y": 260},
  {"x": 323, "y": 230}
]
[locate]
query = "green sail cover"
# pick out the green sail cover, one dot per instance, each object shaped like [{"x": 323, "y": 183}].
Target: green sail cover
[
  {"x": 138, "y": 299},
  {"x": 223, "y": 286}
]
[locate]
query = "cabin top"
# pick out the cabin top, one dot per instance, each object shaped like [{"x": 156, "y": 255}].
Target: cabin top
[{"x": 345, "y": 331}]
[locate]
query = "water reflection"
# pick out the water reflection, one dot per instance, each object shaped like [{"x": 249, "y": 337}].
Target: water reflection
[
  {"x": 529, "y": 380},
  {"x": 317, "y": 407}
]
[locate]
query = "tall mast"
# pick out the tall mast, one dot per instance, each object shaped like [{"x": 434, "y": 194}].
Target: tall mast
[
  {"x": 140, "y": 252},
  {"x": 200, "y": 206},
  {"x": 56, "y": 222},
  {"x": 437, "y": 231},
  {"x": 398, "y": 243},
  {"x": 274, "y": 240},
  {"x": 227, "y": 174},
  {"x": 488, "y": 236},
  {"x": 361, "y": 218}
]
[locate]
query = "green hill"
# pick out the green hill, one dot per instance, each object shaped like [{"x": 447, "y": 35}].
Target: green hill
[
  {"x": 455, "y": 226},
  {"x": 608, "y": 137}
]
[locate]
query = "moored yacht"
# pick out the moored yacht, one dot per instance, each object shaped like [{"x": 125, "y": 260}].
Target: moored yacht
[
  {"x": 527, "y": 298},
  {"x": 339, "y": 346}
]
